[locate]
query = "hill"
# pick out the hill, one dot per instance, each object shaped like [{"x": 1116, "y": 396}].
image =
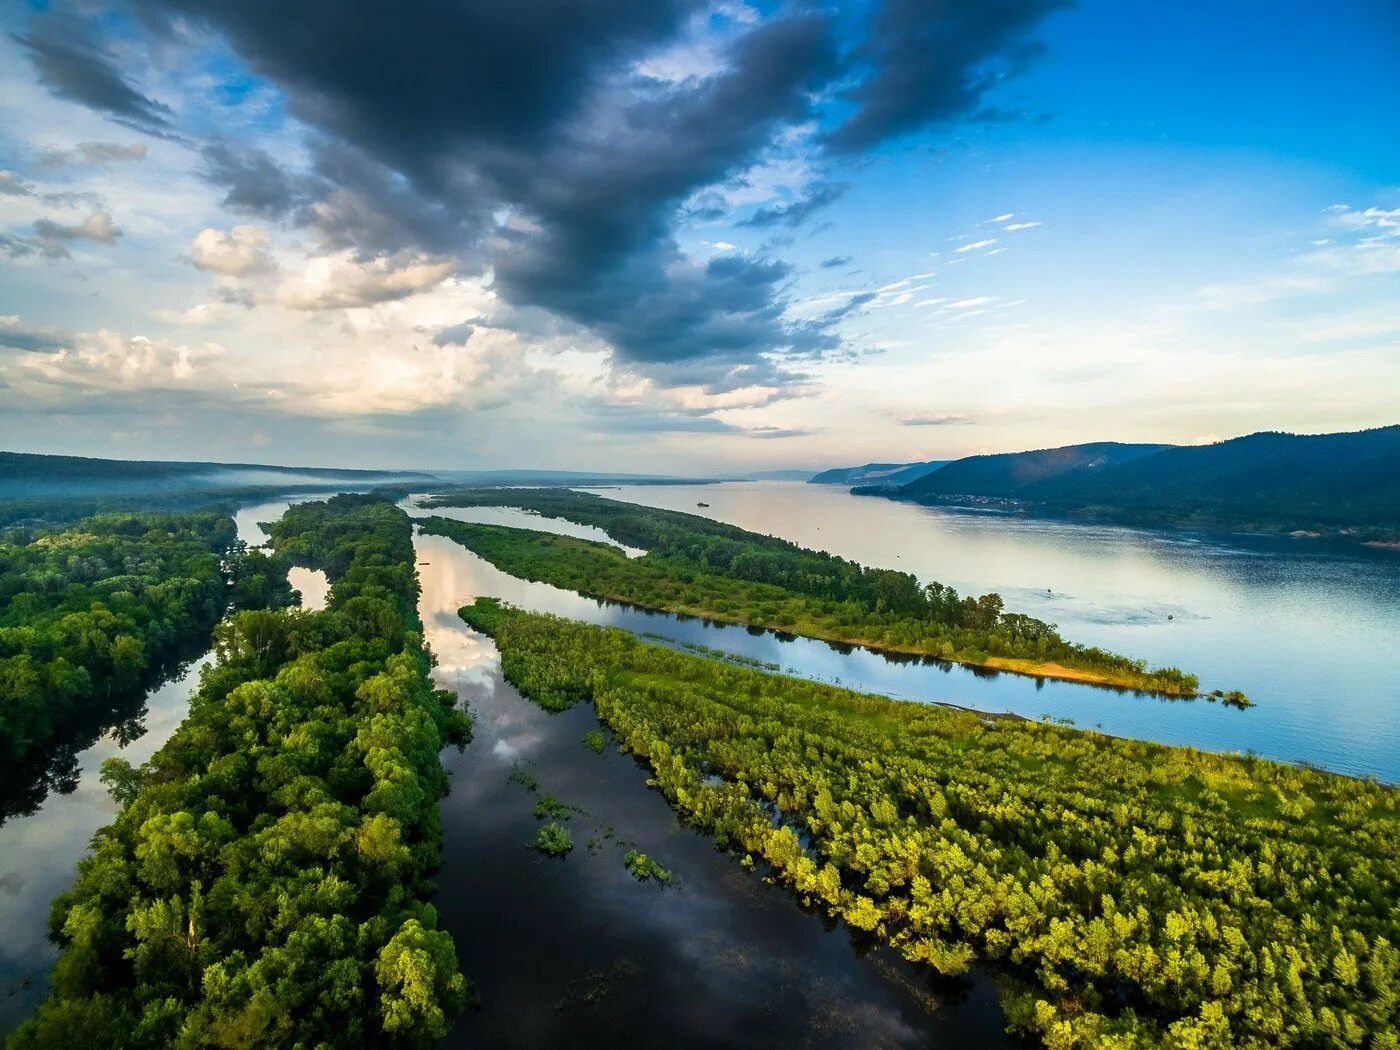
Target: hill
[
  {"x": 1346, "y": 484},
  {"x": 1009, "y": 474},
  {"x": 877, "y": 473}
]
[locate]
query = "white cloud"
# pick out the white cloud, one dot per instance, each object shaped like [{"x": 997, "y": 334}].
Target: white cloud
[
  {"x": 241, "y": 252},
  {"x": 1012, "y": 227},
  {"x": 341, "y": 281},
  {"x": 974, "y": 245}
]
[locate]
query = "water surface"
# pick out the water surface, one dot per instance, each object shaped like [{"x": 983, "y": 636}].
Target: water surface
[
  {"x": 575, "y": 952},
  {"x": 1306, "y": 628}
]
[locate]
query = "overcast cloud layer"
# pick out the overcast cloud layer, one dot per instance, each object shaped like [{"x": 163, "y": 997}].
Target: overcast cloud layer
[{"x": 458, "y": 233}]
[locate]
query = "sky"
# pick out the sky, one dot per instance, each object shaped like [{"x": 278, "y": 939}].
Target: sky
[{"x": 686, "y": 237}]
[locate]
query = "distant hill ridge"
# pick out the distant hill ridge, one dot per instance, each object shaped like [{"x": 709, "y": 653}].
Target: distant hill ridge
[
  {"x": 877, "y": 473},
  {"x": 1009, "y": 473},
  {"x": 1330, "y": 483},
  {"x": 28, "y": 475}
]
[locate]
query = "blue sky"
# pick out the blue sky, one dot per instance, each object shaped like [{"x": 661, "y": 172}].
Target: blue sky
[{"x": 694, "y": 237}]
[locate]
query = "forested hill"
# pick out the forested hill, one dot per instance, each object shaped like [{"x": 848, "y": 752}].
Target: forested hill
[
  {"x": 1330, "y": 483},
  {"x": 1012, "y": 474},
  {"x": 25, "y": 475},
  {"x": 877, "y": 473}
]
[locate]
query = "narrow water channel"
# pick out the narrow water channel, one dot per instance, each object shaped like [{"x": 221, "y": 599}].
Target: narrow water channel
[
  {"x": 40, "y": 850},
  {"x": 576, "y": 952}
]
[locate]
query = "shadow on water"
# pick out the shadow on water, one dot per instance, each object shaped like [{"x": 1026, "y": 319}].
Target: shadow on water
[{"x": 576, "y": 952}]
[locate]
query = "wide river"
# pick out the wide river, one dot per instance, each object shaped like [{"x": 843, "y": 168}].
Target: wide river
[{"x": 1308, "y": 629}]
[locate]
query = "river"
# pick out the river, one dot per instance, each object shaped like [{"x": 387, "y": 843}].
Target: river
[
  {"x": 1306, "y": 628},
  {"x": 576, "y": 952}
]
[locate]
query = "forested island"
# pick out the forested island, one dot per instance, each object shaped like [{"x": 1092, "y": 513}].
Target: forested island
[
  {"x": 1124, "y": 894},
  {"x": 701, "y": 567},
  {"x": 265, "y": 881}
]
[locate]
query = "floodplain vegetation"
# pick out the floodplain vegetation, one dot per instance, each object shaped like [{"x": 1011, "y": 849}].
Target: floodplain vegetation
[
  {"x": 1122, "y": 893},
  {"x": 265, "y": 883},
  {"x": 700, "y": 567}
]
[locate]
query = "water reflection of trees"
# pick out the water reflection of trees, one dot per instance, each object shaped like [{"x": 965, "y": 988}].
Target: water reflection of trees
[{"x": 25, "y": 786}]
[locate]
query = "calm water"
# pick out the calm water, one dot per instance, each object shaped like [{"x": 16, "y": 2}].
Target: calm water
[
  {"x": 1306, "y": 629},
  {"x": 575, "y": 952}
]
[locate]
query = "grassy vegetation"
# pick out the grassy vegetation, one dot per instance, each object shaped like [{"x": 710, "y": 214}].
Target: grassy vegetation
[
  {"x": 1125, "y": 893},
  {"x": 266, "y": 880},
  {"x": 644, "y": 869},
  {"x": 554, "y": 840},
  {"x": 975, "y": 632}
]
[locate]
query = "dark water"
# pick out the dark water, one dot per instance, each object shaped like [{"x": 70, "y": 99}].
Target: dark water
[
  {"x": 576, "y": 952},
  {"x": 1307, "y": 629}
]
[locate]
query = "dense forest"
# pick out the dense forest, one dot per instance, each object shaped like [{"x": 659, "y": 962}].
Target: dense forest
[
  {"x": 87, "y": 612},
  {"x": 1123, "y": 893},
  {"x": 1331, "y": 484},
  {"x": 265, "y": 882},
  {"x": 707, "y": 568},
  {"x": 95, "y": 616}
]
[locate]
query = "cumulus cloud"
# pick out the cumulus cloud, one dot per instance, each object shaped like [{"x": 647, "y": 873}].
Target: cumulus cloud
[
  {"x": 240, "y": 252},
  {"x": 107, "y": 361},
  {"x": 343, "y": 281}
]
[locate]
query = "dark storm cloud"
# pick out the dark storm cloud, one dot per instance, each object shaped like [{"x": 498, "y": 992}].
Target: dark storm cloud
[
  {"x": 532, "y": 107},
  {"x": 931, "y": 61},
  {"x": 410, "y": 80},
  {"x": 72, "y": 66},
  {"x": 252, "y": 181},
  {"x": 431, "y": 120},
  {"x": 798, "y": 211}
]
